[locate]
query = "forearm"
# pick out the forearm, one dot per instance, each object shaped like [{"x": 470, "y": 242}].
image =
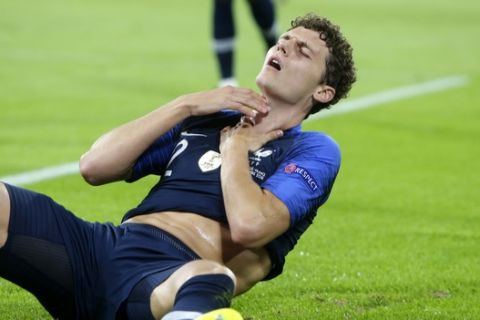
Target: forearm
[
  {"x": 239, "y": 190},
  {"x": 248, "y": 207},
  {"x": 112, "y": 156}
]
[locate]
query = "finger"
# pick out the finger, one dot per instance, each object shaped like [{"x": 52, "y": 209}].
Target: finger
[
  {"x": 254, "y": 101},
  {"x": 248, "y": 120},
  {"x": 250, "y": 99},
  {"x": 238, "y": 125},
  {"x": 224, "y": 135},
  {"x": 272, "y": 135},
  {"x": 246, "y": 110}
]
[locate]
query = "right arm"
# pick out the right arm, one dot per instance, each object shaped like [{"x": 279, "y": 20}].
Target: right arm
[{"x": 113, "y": 155}]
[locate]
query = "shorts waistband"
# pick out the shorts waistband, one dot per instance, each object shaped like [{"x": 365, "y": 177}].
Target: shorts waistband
[{"x": 164, "y": 236}]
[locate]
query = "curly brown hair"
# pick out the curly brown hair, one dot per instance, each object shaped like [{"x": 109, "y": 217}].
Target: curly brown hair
[{"x": 340, "y": 69}]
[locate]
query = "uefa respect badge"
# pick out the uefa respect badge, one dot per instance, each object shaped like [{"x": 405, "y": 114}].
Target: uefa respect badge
[{"x": 292, "y": 168}]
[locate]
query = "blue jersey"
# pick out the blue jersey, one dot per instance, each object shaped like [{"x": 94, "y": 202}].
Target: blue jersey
[{"x": 299, "y": 169}]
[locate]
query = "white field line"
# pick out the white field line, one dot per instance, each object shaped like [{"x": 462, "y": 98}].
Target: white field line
[
  {"x": 42, "y": 174},
  {"x": 369, "y": 101},
  {"x": 391, "y": 95}
]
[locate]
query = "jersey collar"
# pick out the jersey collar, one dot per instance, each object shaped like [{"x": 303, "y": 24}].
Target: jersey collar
[{"x": 292, "y": 131}]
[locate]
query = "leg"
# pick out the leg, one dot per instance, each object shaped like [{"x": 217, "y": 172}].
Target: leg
[
  {"x": 224, "y": 40},
  {"x": 196, "y": 287},
  {"x": 4, "y": 214},
  {"x": 264, "y": 13},
  {"x": 29, "y": 256}
]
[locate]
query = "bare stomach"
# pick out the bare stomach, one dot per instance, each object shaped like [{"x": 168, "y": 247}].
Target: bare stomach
[{"x": 211, "y": 240}]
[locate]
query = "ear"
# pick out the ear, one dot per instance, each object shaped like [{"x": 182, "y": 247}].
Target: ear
[{"x": 324, "y": 93}]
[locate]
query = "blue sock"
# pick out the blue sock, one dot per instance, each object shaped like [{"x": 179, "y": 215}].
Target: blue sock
[
  {"x": 205, "y": 293},
  {"x": 201, "y": 294}
]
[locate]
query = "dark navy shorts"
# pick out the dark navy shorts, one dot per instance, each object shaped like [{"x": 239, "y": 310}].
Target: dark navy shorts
[{"x": 78, "y": 269}]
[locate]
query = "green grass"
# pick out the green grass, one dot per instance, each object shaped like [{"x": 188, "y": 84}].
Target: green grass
[{"x": 399, "y": 238}]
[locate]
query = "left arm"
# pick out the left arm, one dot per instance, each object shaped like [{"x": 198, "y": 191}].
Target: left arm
[{"x": 255, "y": 215}]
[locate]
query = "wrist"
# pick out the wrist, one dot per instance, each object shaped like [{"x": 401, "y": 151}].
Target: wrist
[
  {"x": 234, "y": 146},
  {"x": 183, "y": 106}
]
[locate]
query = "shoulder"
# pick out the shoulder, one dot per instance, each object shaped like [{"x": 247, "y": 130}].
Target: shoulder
[
  {"x": 317, "y": 139},
  {"x": 316, "y": 145},
  {"x": 304, "y": 178}
]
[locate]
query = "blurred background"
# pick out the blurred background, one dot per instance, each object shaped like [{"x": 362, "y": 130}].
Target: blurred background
[{"x": 399, "y": 238}]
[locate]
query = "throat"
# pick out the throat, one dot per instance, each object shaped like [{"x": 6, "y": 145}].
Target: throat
[{"x": 279, "y": 119}]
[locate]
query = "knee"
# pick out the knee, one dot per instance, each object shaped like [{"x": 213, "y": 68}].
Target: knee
[
  {"x": 4, "y": 214},
  {"x": 163, "y": 296},
  {"x": 201, "y": 267}
]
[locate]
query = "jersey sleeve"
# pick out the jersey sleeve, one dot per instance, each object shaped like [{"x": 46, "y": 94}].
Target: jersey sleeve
[
  {"x": 305, "y": 177},
  {"x": 155, "y": 158}
]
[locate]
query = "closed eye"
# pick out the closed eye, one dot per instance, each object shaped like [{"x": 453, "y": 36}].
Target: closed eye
[{"x": 302, "y": 50}]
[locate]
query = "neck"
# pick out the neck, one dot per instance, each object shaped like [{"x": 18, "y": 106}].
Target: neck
[{"x": 282, "y": 116}]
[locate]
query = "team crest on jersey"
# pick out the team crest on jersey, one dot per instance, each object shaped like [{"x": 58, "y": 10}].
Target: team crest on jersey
[
  {"x": 210, "y": 161},
  {"x": 262, "y": 153},
  {"x": 256, "y": 157}
]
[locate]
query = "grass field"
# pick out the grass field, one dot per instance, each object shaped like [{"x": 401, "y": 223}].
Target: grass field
[{"x": 400, "y": 236}]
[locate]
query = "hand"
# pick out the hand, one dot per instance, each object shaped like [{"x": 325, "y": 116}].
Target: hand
[
  {"x": 243, "y": 100},
  {"x": 243, "y": 135}
]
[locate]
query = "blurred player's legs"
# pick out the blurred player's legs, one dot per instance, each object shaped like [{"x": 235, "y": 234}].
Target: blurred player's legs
[
  {"x": 263, "y": 12},
  {"x": 224, "y": 40}
]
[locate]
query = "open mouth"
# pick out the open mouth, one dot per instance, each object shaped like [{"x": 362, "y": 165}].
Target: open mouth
[{"x": 274, "y": 63}]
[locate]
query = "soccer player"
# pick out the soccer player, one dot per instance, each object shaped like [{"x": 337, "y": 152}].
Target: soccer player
[
  {"x": 238, "y": 188},
  {"x": 263, "y": 11}
]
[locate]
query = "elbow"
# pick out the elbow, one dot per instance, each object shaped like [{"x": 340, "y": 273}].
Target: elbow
[
  {"x": 88, "y": 170},
  {"x": 246, "y": 234}
]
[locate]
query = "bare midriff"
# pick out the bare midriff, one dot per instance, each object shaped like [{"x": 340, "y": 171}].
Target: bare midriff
[{"x": 211, "y": 240}]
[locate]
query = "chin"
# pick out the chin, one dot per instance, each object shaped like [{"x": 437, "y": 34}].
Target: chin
[
  {"x": 264, "y": 84},
  {"x": 259, "y": 79}
]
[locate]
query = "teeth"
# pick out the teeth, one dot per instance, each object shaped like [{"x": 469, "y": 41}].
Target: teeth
[{"x": 275, "y": 63}]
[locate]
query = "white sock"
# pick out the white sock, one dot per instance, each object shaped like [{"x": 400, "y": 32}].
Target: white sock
[
  {"x": 181, "y": 315},
  {"x": 228, "y": 82}
]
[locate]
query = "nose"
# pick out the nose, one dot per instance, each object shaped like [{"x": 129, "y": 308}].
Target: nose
[{"x": 283, "y": 47}]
